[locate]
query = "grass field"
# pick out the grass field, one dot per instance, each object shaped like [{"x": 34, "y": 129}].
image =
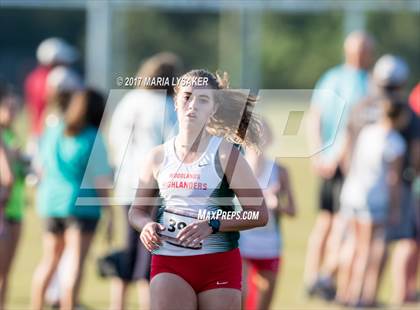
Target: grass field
[{"x": 95, "y": 291}]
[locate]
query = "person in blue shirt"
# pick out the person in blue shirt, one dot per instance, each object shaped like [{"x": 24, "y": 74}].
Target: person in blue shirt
[
  {"x": 335, "y": 93},
  {"x": 74, "y": 162}
]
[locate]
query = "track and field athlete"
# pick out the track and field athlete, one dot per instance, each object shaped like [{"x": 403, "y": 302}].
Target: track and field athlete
[{"x": 196, "y": 262}]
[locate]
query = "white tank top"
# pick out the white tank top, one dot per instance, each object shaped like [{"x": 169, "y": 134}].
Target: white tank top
[
  {"x": 263, "y": 242},
  {"x": 185, "y": 189}
]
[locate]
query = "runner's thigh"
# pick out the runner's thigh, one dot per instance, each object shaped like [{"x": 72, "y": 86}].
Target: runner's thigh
[
  {"x": 169, "y": 291},
  {"x": 220, "y": 298}
]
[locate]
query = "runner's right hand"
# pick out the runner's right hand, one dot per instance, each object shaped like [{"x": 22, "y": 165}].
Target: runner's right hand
[{"x": 149, "y": 235}]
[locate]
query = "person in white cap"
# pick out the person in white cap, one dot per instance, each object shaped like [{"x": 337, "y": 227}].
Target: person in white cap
[
  {"x": 61, "y": 83},
  {"x": 56, "y": 51},
  {"x": 50, "y": 53},
  {"x": 390, "y": 72},
  {"x": 390, "y": 75},
  {"x": 370, "y": 200}
]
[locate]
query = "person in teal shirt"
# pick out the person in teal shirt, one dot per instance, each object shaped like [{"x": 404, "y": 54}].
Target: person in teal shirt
[
  {"x": 74, "y": 164},
  {"x": 65, "y": 165},
  {"x": 335, "y": 93}
]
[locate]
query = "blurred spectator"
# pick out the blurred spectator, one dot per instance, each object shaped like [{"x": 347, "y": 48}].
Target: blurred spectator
[
  {"x": 370, "y": 199},
  {"x": 12, "y": 197},
  {"x": 6, "y": 181},
  {"x": 62, "y": 82},
  {"x": 50, "y": 53},
  {"x": 262, "y": 248},
  {"x": 336, "y": 92},
  {"x": 6, "y": 177},
  {"x": 60, "y": 85},
  {"x": 68, "y": 158},
  {"x": 143, "y": 119},
  {"x": 413, "y": 266},
  {"x": 390, "y": 75}
]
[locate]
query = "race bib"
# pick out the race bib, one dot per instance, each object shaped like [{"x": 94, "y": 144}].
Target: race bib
[{"x": 174, "y": 221}]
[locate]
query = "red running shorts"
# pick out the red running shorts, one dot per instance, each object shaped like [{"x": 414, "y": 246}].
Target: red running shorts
[{"x": 203, "y": 272}]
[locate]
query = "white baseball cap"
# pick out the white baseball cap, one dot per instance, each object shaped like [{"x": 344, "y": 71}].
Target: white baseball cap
[
  {"x": 390, "y": 70},
  {"x": 56, "y": 50},
  {"x": 63, "y": 79}
]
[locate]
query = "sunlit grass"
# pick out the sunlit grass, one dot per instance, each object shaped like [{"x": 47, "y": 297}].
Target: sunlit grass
[{"x": 95, "y": 292}]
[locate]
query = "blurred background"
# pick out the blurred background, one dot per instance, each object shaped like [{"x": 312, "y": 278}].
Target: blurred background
[
  {"x": 262, "y": 44},
  {"x": 284, "y": 44}
]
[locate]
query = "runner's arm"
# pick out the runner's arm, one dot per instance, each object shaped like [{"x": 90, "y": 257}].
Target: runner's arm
[
  {"x": 147, "y": 192},
  {"x": 243, "y": 182}
]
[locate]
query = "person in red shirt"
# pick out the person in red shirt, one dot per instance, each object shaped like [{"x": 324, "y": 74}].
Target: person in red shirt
[
  {"x": 50, "y": 53},
  {"x": 414, "y": 100},
  {"x": 35, "y": 95}
]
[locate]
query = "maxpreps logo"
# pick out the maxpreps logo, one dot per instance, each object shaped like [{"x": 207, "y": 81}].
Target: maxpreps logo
[
  {"x": 286, "y": 112},
  {"x": 227, "y": 215}
]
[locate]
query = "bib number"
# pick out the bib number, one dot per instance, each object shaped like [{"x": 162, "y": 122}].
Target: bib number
[{"x": 173, "y": 224}]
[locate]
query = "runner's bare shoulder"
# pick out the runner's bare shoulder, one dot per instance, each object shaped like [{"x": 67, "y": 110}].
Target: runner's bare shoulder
[{"x": 154, "y": 159}]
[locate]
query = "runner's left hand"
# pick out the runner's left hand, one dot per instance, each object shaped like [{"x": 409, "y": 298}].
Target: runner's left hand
[{"x": 192, "y": 234}]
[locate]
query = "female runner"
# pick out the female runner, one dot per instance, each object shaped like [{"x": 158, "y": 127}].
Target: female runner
[
  {"x": 196, "y": 262},
  {"x": 261, "y": 248}
]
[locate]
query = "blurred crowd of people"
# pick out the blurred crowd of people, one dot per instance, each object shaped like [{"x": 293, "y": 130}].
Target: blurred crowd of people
[
  {"x": 367, "y": 129},
  {"x": 369, "y": 134},
  {"x": 64, "y": 118}
]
